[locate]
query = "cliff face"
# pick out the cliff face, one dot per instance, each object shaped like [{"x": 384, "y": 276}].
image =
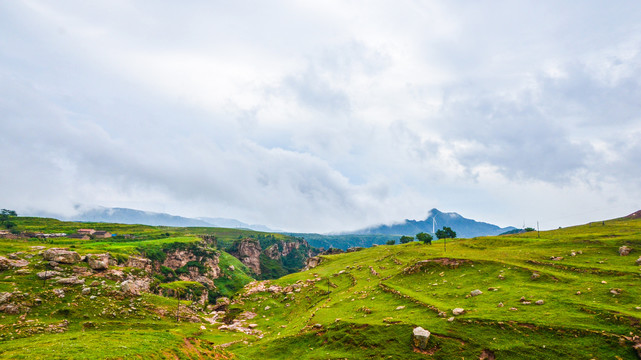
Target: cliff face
[
  {"x": 249, "y": 251},
  {"x": 278, "y": 258}
]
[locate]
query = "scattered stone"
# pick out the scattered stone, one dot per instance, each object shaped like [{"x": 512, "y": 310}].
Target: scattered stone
[
  {"x": 92, "y": 297},
  {"x": 400, "y": 307},
  {"x": 500, "y": 305},
  {"x": 318, "y": 326},
  {"x": 476, "y": 292},
  {"x": 492, "y": 289},
  {"x": 74, "y": 280},
  {"x": 578, "y": 292},
  {"x": 501, "y": 277},
  {"x": 615, "y": 291},
  {"x": 638, "y": 262},
  {"x": 514, "y": 309},
  {"x": 442, "y": 314},
  {"x": 203, "y": 328},
  {"x": 4, "y": 297},
  {"x": 267, "y": 307},
  {"x": 535, "y": 276},
  {"x": 48, "y": 274},
  {"x": 624, "y": 250},
  {"x": 59, "y": 292},
  {"x": 95, "y": 283},
  {"x": 526, "y": 302},
  {"x": 61, "y": 256},
  {"x": 572, "y": 253},
  {"x": 450, "y": 319},
  {"x": 604, "y": 282},
  {"x": 540, "y": 302},
  {"x": 86, "y": 291},
  {"x": 556, "y": 258},
  {"x": 232, "y": 268},
  {"x": 421, "y": 337},
  {"x": 458, "y": 311},
  {"x": 252, "y": 326},
  {"x": 11, "y": 309}
]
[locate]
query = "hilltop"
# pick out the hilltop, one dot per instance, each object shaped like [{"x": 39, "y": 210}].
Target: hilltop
[{"x": 571, "y": 293}]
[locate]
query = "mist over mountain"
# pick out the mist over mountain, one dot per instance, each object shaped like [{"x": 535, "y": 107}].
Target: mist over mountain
[
  {"x": 464, "y": 228},
  {"x": 132, "y": 216}
]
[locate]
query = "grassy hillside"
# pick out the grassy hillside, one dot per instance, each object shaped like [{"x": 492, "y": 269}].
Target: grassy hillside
[
  {"x": 591, "y": 301},
  {"x": 591, "y": 305}
]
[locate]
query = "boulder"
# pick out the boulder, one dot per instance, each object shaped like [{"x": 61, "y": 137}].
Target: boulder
[
  {"x": 74, "y": 280},
  {"x": 540, "y": 302},
  {"x": 458, "y": 311},
  {"x": 10, "y": 309},
  {"x": 48, "y": 274},
  {"x": 4, "y": 297},
  {"x": 7, "y": 263},
  {"x": 476, "y": 292},
  {"x": 624, "y": 250},
  {"x": 421, "y": 337},
  {"x": 63, "y": 256},
  {"x": 139, "y": 263},
  {"x": 638, "y": 262},
  {"x": 98, "y": 261},
  {"x": 535, "y": 276},
  {"x": 134, "y": 287}
]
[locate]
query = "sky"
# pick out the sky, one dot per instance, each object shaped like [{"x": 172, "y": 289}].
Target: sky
[{"x": 323, "y": 116}]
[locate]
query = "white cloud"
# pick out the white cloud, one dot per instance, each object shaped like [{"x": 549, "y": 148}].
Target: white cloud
[{"x": 322, "y": 116}]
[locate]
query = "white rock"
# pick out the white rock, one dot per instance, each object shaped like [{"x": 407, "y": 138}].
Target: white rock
[
  {"x": 458, "y": 311},
  {"x": 421, "y": 336}
]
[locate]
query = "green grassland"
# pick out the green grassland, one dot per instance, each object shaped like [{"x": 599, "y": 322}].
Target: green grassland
[
  {"x": 580, "y": 317},
  {"x": 362, "y": 305}
]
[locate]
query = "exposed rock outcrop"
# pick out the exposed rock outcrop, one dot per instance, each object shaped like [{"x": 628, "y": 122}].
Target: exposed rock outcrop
[
  {"x": 312, "y": 262},
  {"x": 135, "y": 287},
  {"x": 139, "y": 263},
  {"x": 98, "y": 261},
  {"x": 249, "y": 254},
  {"x": 60, "y": 255}
]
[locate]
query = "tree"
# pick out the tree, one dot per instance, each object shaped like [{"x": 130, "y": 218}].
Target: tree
[
  {"x": 445, "y": 233},
  {"x": 406, "y": 239},
  {"x": 424, "y": 237},
  {"x": 390, "y": 242},
  {"x": 528, "y": 229}
]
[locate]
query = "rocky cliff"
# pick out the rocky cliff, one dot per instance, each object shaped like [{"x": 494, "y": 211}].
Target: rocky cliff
[{"x": 269, "y": 257}]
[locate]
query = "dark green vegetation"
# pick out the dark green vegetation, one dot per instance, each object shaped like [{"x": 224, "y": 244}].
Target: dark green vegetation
[
  {"x": 358, "y": 305},
  {"x": 345, "y": 242}
]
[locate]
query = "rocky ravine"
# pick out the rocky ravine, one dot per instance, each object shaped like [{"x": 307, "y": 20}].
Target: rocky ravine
[{"x": 249, "y": 252}]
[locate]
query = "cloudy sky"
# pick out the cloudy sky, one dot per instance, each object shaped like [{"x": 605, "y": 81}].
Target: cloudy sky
[{"x": 323, "y": 115}]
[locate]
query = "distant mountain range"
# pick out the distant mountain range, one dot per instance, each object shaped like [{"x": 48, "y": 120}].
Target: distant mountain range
[
  {"x": 131, "y": 216},
  {"x": 464, "y": 228}
]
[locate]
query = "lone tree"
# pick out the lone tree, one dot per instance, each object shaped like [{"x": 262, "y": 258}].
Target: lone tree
[
  {"x": 390, "y": 242},
  {"x": 405, "y": 239},
  {"x": 424, "y": 237},
  {"x": 445, "y": 233}
]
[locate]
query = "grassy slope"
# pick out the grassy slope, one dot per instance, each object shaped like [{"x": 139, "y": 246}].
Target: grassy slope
[
  {"x": 589, "y": 325},
  {"x": 359, "y": 317}
]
